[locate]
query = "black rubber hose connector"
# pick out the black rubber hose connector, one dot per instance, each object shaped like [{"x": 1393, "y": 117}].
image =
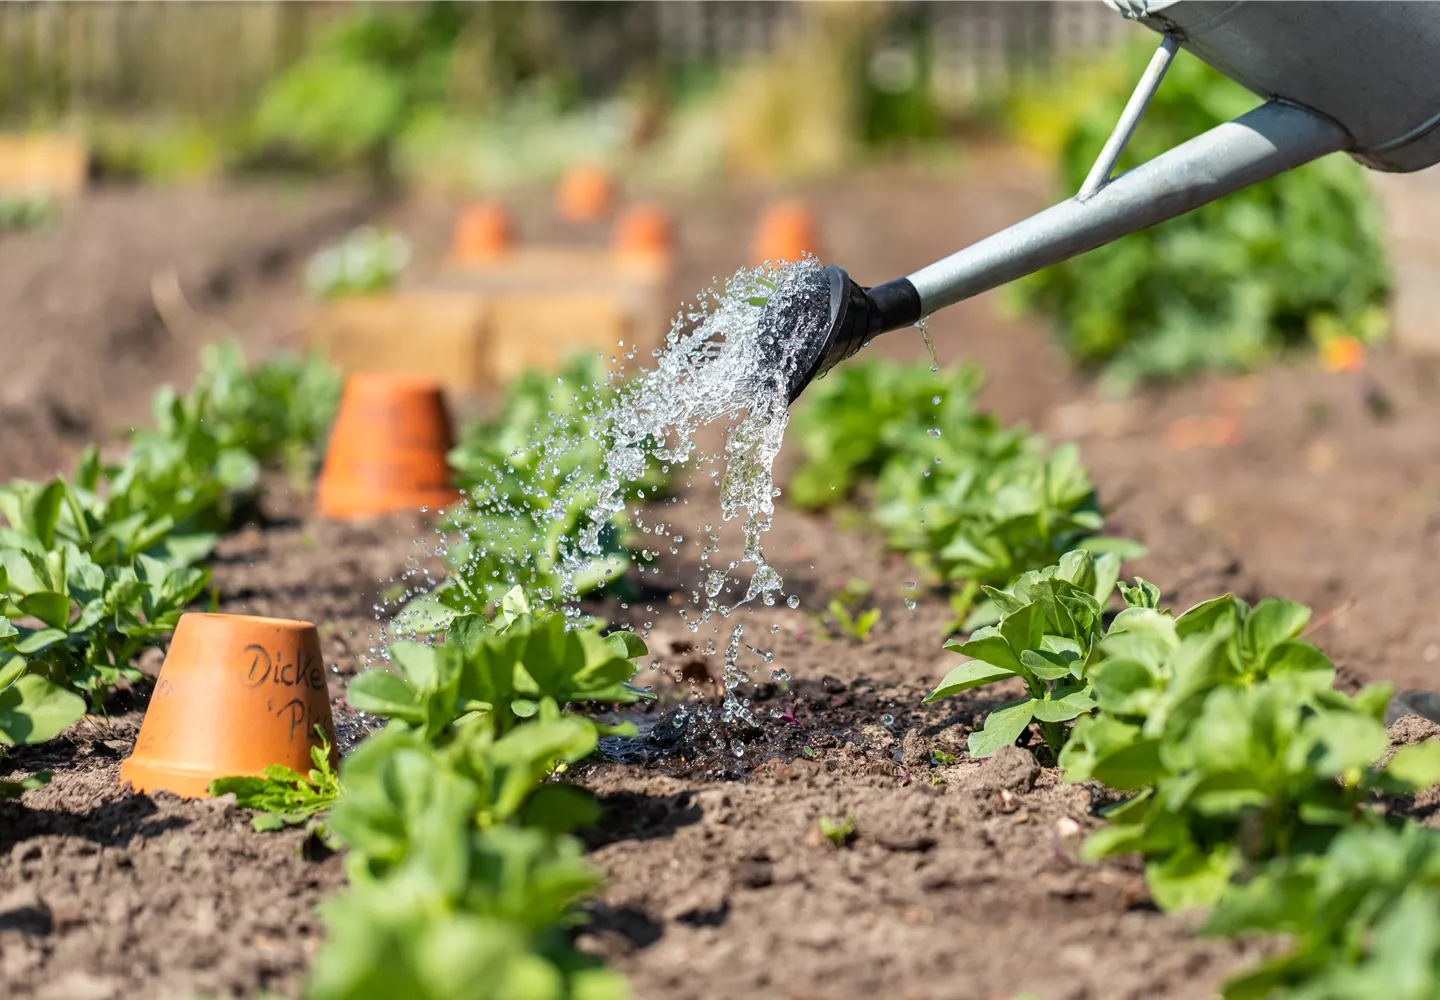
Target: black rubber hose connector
[{"x": 857, "y": 315}]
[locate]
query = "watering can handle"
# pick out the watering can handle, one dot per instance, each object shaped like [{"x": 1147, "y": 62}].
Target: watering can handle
[
  {"x": 1258, "y": 145},
  {"x": 1267, "y": 141}
]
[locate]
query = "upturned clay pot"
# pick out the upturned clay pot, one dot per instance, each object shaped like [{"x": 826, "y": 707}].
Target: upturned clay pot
[
  {"x": 585, "y": 193},
  {"x": 236, "y": 694},
  {"x": 387, "y": 449},
  {"x": 786, "y": 231},
  {"x": 483, "y": 233}
]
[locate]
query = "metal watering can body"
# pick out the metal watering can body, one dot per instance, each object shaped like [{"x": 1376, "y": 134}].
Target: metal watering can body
[{"x": 1354, "y": 76}]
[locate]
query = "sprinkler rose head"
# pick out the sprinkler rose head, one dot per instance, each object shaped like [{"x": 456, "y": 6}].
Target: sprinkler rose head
[{"x": 836, "y": 317}]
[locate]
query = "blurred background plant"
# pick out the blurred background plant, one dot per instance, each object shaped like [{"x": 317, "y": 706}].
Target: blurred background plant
[
  {"x": 369, "y": 259},
  {"x": 26, "y": 211},
  {"x": 1295, "y": 259},
  {"x": 481, "y": 96}
]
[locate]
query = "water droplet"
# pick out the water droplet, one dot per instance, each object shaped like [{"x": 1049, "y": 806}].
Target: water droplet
[
  {"x": 793, "y": 600},
  {"x": 887, "y": 720},
  {"x": 934, "y": 432}
]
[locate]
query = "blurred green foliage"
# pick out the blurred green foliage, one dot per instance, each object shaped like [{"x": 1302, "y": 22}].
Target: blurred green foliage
[
  {"x": 345, "y": 101},
  {"x": 27, "y": 211},
  {"x": 386, "y": 66},
  {"x": 1301, "y": 256}
]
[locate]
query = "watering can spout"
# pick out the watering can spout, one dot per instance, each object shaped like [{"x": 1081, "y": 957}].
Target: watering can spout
[{"x": 1340, "y": 76}]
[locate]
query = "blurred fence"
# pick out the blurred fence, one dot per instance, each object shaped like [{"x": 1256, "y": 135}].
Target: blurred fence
[
  {"x": 185, "y": 56},
  {"x": 209, "y": 58}
]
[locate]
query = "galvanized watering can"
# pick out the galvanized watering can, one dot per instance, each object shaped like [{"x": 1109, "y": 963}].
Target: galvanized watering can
[{"x": 1359, "y": 77}]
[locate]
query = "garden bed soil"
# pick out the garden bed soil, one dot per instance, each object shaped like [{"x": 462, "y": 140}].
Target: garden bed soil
[
  {"x": 83, "y": 341},
  {"x": 961, "y": 880}
]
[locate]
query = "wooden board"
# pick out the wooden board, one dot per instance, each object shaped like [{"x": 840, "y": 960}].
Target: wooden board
[
  {"x": 41, "y": 163},
  {"x": 570, "y": 299},
  {"x": 555, "y": 267},
  {"x": 440, "y": 334},
  {"x": 543, "y": 330}
]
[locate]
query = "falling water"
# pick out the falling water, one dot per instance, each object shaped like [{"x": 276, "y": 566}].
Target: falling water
[{"x": 729, "y": 361}]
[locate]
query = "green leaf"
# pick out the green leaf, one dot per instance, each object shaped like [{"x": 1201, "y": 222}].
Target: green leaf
[
  {"x": 1300, "y": 658},
  {"x": 1349, "y": 741},
  {"x": 33, "y": 710},
  {"x": 1007, "y": 603},
  {"x": 988, "y": 645},
  {"x": 1023, "y": 628},
  {"x": 1416, "y": 765},
  {"x": 379, "y": 692},
  {"x": 1065, "y": 707},
  {"x": 1190, "y": 878},
  {"x": 1046, "y": 665},
  {"x": 514, "y": 604},
  {"x": 44, "y": 512},
  {"x": 39, "y": 641},
  {"x": 418, "y": 662},
  {"x": 1204, "y": 616},
  {"x": 1131, "y": 767},
  {"x": 970, "y": 674},
  {"x": 560, "y": 808},
  {"x": 1272, "y": 622},
  {"x": 1003, "y": 727},
  {"x": 627, "y": 645},
  {"x": 50, "y": 607}
]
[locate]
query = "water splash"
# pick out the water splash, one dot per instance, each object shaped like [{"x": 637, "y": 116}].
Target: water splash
[{"x": 729, "y": 361}]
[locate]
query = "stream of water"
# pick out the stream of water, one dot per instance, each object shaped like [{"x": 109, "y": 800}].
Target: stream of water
[{"x": 727, "y": 363}]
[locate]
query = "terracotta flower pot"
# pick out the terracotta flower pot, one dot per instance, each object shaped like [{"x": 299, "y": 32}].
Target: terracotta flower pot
[
  {"x": 585, "y": 193},
  {"x": 387, "y": 449},
  {"x": 236, "y": 694},
  {"x": 483, "y": 232},
  {"x": 1342, "y": 354},
  {"x": 786, "y": 232},
  {"x": 644, "y": 231}
]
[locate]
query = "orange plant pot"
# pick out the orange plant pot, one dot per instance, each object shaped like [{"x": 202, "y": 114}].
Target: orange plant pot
[
  {"x": 786, "y": 232},
  {"x": 483, "y": 232},
  {"x": 387, "y": 449},
  {"x": 644, "y": 231},
  {"x": 585, "y": 193},
  {"x": 236, "y": 694},
  {"x": 1342, "y": 354}
]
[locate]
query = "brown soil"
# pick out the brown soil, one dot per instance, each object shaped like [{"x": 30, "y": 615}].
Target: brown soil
[
  {"x": 83, "y": 343},
  {"x": 961, "y": 880}
]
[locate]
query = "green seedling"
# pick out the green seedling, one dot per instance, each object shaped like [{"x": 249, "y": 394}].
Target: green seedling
[
  {"x": 1224, "y": 724},
  {"x": 838, "y": 832},
  {"x": 846, "y": 616},
  {"x": 530, "y": 476},
  {"x": 1361, "y": 920},
  {"x": 972, "y": 504},
  {"x": 515, "y": 667},
  {"x": 97, "y": 567},
  {"x": 284, "y": 797},
  {"x": 941, "y": 758},
  {"x": 1048, "y": 637}
]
